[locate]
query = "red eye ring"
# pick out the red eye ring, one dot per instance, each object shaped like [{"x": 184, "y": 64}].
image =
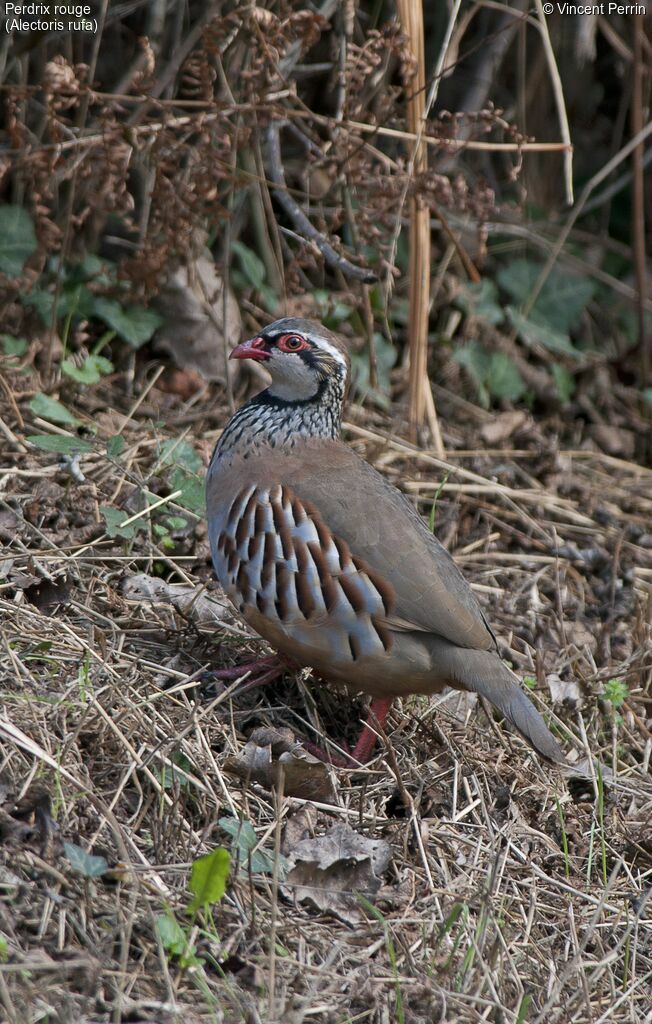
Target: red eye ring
[{"x": 291, "y": 343}]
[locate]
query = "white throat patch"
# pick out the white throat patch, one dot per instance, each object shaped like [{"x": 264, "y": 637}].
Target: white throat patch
[{"x": 292, "y": 379}]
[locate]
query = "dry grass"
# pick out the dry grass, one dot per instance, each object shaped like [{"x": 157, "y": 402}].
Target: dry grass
[{"x": 515, "y": 894}]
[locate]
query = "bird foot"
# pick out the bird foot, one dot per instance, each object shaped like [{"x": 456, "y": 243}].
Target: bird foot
[
  {"x": 238, "y": 671},
  {"x": 253, "y": 673},
  {"x": 362, "y": 751}
]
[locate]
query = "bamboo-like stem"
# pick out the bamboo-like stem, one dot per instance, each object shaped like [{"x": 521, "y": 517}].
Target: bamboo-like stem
[
  {"x": 411, "y": 18},
  {"x": 638, "y": 197}
]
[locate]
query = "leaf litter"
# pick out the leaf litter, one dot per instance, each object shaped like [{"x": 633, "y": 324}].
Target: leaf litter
[{"x": 492, "y": 877}]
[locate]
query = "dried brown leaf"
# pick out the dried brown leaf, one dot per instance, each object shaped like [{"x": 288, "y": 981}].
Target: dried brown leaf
[
  {"x": 270, "y": 752},
  {"x": 330, "y": 870}
]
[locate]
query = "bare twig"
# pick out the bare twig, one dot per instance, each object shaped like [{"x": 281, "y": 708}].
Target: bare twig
[{"x": 298, "y": 217}]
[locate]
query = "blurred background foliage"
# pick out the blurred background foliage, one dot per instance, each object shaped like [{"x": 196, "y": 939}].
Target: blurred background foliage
[{"x": 191, "y": 170}]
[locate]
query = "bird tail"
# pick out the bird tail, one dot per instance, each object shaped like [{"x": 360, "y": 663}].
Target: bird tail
[{"x": 483, "y": 672}]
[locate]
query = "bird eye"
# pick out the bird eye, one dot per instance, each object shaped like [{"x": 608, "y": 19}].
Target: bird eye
[{"x": 291, "y": 343}]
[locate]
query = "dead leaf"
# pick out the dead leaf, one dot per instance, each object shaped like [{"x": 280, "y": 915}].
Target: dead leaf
[
  {"x": 268, "y": 752},
  {"x": 299, "y": 826},
  {"x": 184, "y": 383},
  {"x": 614, "y": 440},
  {"x": 191, "y": 602},
  {"x": 29, "y": 820},
  {"x": 328, "y": 871},
  {"x": 501, "y": 427},
  {"x": 9, "y": 525},
  {"x": 47, "y": 595},
  {"x": 199, "y": 320},
  {"x": 563, "y": 689}
]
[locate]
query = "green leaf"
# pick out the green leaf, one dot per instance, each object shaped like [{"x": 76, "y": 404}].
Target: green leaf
[
  {"x": 385, "y": 359},
  {"x": 84, "y": 863},
  {"x": 17, "y": 239},
  {"x": 252, "y": 266},
  {"x": 61, "y": 445},
  {"x": 176, "y": 522},
  {"x": 51, "y": 409},
  {"x": 192, "y": 490},
  {"x": 530, "y": 682},
  {"x": 134, "y": 324},
  {"x": 115, "y": 446},
  {"x": 170, "y": 775},
  {"x": 13, "y": 346},
  {"x": 91, "y": 370},
  {"x": 616, "y": 692},
  {"x": 244, "y": 842},
  {"x": 40, "y": 301},
  {"x": 534, "y": 333},
  {"x": 171, "y": 934},
  {"x": 562, "y": 300},
  {"x": 493, "y": 373},
  {"x": 75, "y": 300},
  {"x": 476, "y": 361},
  {"x": 208, "y": 879},
  {"x": 504, "y": 379},
  {"x": 113, "y": 517},
  {"x": 91, "y": 268},
  {"x": 564, "y": 382},
  {"x": 481, "y": 300},
  {"x": 180, "y": 453}
]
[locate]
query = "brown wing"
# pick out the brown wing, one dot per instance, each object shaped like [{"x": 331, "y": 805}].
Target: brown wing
[{"x": 381, "y": 527}]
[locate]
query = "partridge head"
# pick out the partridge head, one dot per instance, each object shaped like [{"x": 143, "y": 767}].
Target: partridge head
[{"x": 330, "y": 563}]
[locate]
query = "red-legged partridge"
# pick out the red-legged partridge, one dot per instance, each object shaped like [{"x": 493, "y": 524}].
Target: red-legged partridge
[{"x": 330, "y": 563}]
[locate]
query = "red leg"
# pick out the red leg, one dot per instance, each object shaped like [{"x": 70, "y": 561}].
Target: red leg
[
  {"x": 378, "y": 710},
  {"x": 237, "y": 671}
]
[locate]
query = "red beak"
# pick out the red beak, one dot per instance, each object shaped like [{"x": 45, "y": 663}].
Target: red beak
[{"x": 252, "y": 349}]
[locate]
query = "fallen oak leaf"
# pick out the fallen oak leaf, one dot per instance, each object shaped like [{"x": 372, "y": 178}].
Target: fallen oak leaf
[
  {"x": 330, "y": 872},
  {"x": 270, "y": 752}
]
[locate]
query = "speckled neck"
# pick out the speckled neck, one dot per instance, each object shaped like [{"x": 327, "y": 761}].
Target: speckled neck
[{"x": 266, "y": 419}]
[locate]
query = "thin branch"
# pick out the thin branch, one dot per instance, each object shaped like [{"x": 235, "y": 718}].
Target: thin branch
[
  {"x": 298, "y": 217},
  {"x": 558, "y": 93}
]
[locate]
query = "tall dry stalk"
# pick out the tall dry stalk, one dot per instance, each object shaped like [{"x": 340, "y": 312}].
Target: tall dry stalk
[{"x": 411, "y": 17}]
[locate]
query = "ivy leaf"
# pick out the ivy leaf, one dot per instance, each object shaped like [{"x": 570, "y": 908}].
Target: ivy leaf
[
  {"x": 40, "y": 301},
  {"x": 208, "y": 879},
  {"x": 51, "y": 409},
  {"x": 493, "y": 373},
  {"x": 560, "y": 303},
  {"x": 481, "y": 300},
  {"x": 475, "y": 360},
  {"x": 91, "y": 370},
  {"x": 534, "y": 333},
  {"x": 13, "y": 346},
  {"x": 192, "y": 490},
  {"x": 113, "y": 517},
  {"x": 17, "y": 239},
  {"x": 134, "y": 324},
  {"x": 84, "y": 863},
  {"x": 115, "y": 446},
  {"x": 504, "y": 379},
  {"x": 60, "y": 445},
  {"x": 180, "y": 453},
  {"x": 244, "y": 841},
  {"x": 75, "y": 300},
  {"x": 564, "y": 382}
]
